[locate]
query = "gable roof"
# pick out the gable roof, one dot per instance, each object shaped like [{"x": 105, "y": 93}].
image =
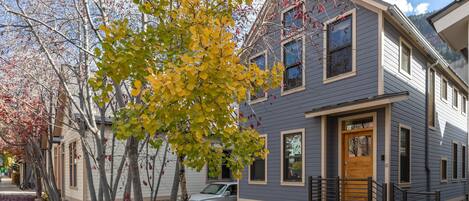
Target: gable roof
[{"x": 403, "y": 22}]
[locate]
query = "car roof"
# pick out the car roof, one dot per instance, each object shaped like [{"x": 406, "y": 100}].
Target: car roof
[{"x": 224, "y": 182}]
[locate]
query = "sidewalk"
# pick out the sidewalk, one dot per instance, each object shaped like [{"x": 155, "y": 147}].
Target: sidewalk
[{"x": 9, "y": 191}]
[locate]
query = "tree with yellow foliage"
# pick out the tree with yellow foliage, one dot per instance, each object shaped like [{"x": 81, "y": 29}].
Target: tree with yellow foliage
[{"x": 186, "y": 75}]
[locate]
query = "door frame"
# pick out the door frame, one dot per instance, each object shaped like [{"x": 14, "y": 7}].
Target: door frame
[{"x": 339, "y": 137}]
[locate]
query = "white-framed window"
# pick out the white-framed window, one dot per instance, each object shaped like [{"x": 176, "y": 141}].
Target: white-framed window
[
  {"x": 72, "y": 161},
  {"x": 464, "y": 105},
  {"x": 463, "y": 161},
  {"x": 293, "y": 19},
  {"x": 340, "y": 47},
  {"x": 444, "y": 169},
  {"x": 455, "y": 159},
  {"x": 258, "y": 169},
  {"x": 455, "y": 98},
  {"x": 293, "y": 58},
  {"x": 444, "y": 89},
  {"x": 431, "y": 98},
  {"x": 292, "y": 157},
  {"x": 404, "y": 154},
  {"x": 405, "y": 58},
  {"x": 258, "y": 95}
]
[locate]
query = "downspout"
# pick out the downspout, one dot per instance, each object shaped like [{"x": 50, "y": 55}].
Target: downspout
[{"x": 427, "y": 135}]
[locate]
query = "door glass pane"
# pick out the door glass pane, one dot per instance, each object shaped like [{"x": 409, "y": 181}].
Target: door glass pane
[
  {"x": 359, "y": 146},
  {"x": 354, "y": 124}
]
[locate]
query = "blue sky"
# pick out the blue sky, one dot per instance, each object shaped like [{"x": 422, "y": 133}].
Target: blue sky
[{"x": 412, "y": 7}]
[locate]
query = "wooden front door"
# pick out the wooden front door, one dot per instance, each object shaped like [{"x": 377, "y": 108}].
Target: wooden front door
[{"x": 357, "y": 163}]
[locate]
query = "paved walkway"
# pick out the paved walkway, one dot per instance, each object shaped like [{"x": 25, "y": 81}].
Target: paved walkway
[{"x": 9, "y": 191}]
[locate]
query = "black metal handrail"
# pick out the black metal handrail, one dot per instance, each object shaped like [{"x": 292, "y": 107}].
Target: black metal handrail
[
  {"x": 361, "y": 189},
  {"x": 399, "y": 194},
  {"x": 345, "y": 189}
]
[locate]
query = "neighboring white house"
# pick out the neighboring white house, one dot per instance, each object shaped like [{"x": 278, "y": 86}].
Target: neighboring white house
[{"x": 71, "y": 175}]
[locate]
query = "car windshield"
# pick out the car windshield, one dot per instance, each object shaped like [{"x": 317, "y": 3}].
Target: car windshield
[{"x": 214, "y": 189}]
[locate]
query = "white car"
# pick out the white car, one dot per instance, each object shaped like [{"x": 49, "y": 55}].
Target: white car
[{"x": 217, "y": 191}]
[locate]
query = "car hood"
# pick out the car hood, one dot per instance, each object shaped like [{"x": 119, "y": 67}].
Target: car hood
[{"x": 197, "y": 197}]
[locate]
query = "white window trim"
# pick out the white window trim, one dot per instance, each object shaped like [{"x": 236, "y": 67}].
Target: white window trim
[
  {"x": 258, "y": 100},
  {"x": 402, "y": 41},
  {"x": 441, "y": 87},
  {"x": 441, "y": 170},
  {"x": 457, "y": 161},
  {"x": 286, "y": 183},
  {"x": 326, "y": 80},
  {"x": 405, "y": 184},
  {"x": 465, "y": 162},
  {"x": 457, "y": 98},
  {"x": 265, "y": 166},
  {"x": 463, "y": 103},
  {"x": 292, "y": 34},
  {"x": 303, "y": 86}
]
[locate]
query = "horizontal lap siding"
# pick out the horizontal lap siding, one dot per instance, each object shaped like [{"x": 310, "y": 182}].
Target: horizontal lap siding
[
  {"x": 412, "y": 113},
  {"x": 281, "y": 113}
]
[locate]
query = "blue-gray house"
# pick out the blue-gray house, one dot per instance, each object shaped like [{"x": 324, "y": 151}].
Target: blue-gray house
[{"x": 365, "y": 97}]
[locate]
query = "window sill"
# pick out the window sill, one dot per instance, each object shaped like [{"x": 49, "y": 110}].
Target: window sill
[
  {"x": 294, "y": 90},
  {"x": 444, "y": 181},
  {"x": 444, "y": 100},
  {"x": 75, "y": 188},
  {"x": 405, "y": 185},
  {"x": 455, "y": 107},
  {"x": 339, "y": 77},
  {"x": 433, "y": 128},
  {"x": 257, "y": 182},
  {"x": 292, "y": 183},
  {"x": 405, "y": 74},
  {"x": 258, "y": 100}
]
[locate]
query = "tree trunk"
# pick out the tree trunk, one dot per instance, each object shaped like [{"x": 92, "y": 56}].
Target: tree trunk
[
  {"x": 128, "y": 186},
  {"x": 182, "y": 180},
  {"x": 175, "y": 188},
  {"x": 133, "y": 167},
  {"x": 38, "y": 182}
]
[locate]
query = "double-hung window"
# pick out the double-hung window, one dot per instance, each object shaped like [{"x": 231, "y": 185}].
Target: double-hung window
[
  {"x": 73, "y": 163},
  {"x": 404, "y": 155},
  {"x": 405, "y": 58},
  {"x": 258, "y": 169},
  {"x": 293, "y": 157},
  {"x": 293, "y": 62},
  {"x": 431, "y": 98},
  {"x": 464, "y": 105},
  {"x": 261, "y": 62},
  {"x": 340, "y": 46},
  {"x": 292, "y": 20},
  {"x": 444, "y": 89},
  {"x": 455, "y": 161},
  {"x": 444, "y": 169},
  {"x": 455, "y": 97}
]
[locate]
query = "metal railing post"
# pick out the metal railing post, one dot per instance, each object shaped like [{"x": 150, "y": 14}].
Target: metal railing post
[
  {"x": 391, "y": 191},
  {"x": 337, "y": 188},
  {"x": 320, "y": 188},
  {"x": 370, "y": 188},
  {"x": 437, "y": 196},
  {"x": 385, "y": 192},
  {"x": 310, "y": 188}
]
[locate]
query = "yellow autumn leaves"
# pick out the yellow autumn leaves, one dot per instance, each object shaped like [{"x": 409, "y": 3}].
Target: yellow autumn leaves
[{"x": 185, "y": 73}]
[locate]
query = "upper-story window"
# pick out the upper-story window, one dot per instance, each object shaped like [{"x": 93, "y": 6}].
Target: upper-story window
[
  {"x": 261, "y": 62},
  {"x": 292, "y": 20},
  {"x": 405, "y": 58},
  {"x": 293, "y": 61},
  {"x": 340, "y": 47},
  {"x": 444, "y": 89},
  {"x": 72, "y": 150},
  {"x": 431, "y": 98},
  {"x": 455, "y": 97},
  {"x": 464, "y": 105}
]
